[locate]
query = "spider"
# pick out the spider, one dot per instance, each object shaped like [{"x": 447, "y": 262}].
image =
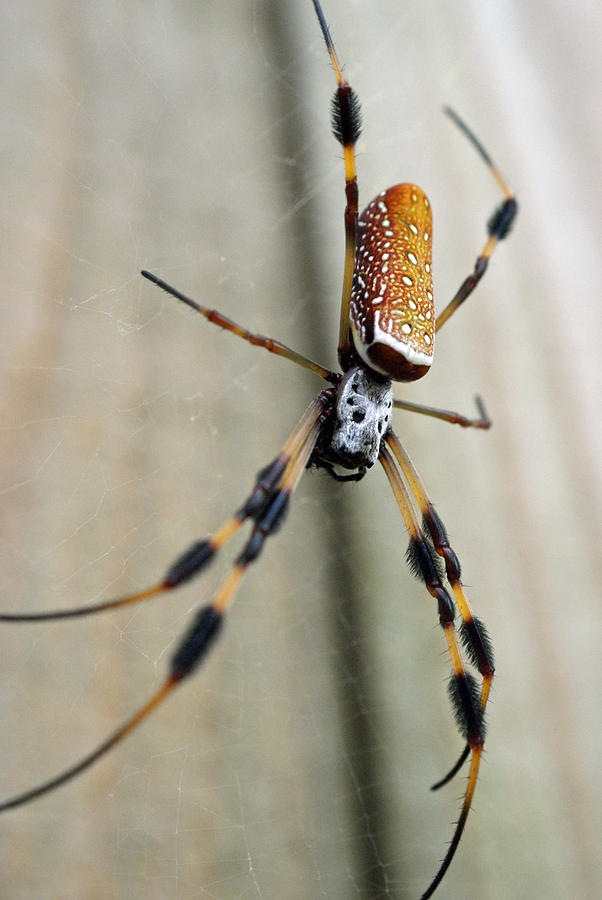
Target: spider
[{"x": 386, "y": 333}]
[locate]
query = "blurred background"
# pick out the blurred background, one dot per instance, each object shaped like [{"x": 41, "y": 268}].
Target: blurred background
[{"x": 193, "y": 139}]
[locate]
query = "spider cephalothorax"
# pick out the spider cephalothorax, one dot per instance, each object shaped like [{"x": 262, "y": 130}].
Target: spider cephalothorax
[
  {"x": 387, "y": 330},
  {"x": 359, "y": 419},
  {"x": 363, "y": 411}
]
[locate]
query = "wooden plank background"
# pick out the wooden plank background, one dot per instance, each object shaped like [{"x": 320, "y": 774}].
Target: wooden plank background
[{"x": 194, "y": 139}]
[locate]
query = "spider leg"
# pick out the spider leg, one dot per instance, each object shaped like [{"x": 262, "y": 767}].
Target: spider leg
[
  {"x": 115, "y": 738},
  {"x": 346, "y": 126},
  {"x": 257, "y": 340},
  {"x": 481, "y": 653},
  {"x": 472, "y": 631},
  {"x": 454, "y": 769},
  {"x": 498, "y": 226},
  {"x": 463, "y": 688},
  {"x": 446, "y": 415},
  {"x": 267, "y": 512},
  {"x": 194, "y": 559}
]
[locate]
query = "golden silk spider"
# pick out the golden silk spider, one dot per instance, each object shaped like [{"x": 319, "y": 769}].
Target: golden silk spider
[{"x": 386, "y": 333}]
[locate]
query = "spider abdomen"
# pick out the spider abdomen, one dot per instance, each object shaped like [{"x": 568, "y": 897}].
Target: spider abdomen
[{"x": 392, "y": 311}]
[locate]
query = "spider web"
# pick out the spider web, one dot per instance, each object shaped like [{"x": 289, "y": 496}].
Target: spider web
[{"x": 194, "y": 141}]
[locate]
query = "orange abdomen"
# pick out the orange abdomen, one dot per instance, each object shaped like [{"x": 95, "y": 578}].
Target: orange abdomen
[{"x": 392, "y": 311}]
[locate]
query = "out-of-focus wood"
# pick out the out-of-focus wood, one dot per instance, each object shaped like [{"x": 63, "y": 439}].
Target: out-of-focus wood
[{"x": 194, "y": 140}]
